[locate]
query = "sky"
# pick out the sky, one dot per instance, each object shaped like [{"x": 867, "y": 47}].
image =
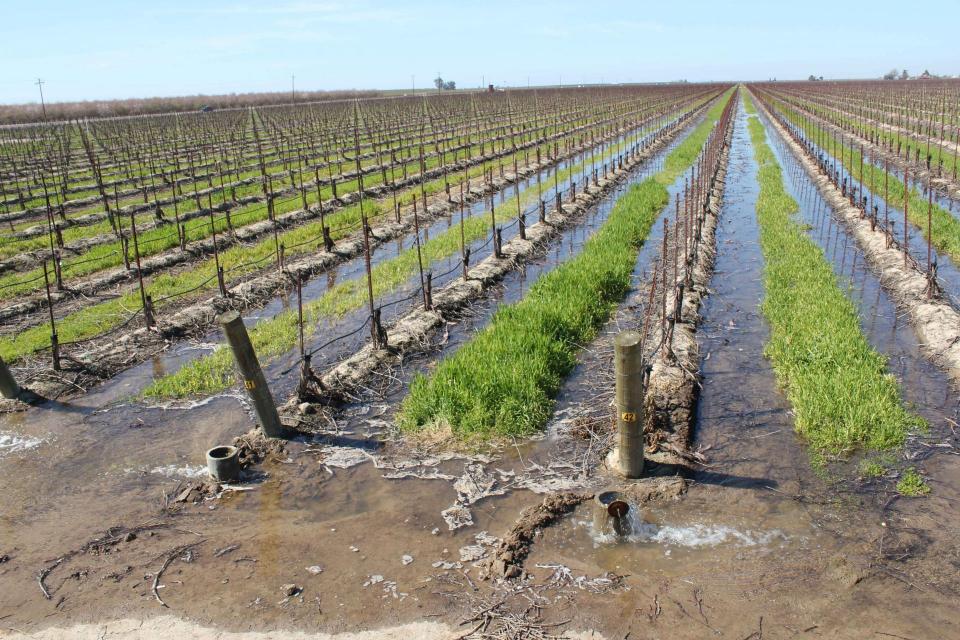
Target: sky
[{"x": 97, "y": 49}]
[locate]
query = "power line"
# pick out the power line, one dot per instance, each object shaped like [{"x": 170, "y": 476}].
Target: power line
[{"x": 43, "y": 105}]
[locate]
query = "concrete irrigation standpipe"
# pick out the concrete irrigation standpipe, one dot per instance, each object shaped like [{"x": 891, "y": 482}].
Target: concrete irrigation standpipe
[{"x": 627, "y": 458}]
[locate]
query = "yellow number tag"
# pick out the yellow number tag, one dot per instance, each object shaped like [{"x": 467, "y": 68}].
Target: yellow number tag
[
  {"x": 628, "y": 416},
  {"x": 250, "y": 384}
]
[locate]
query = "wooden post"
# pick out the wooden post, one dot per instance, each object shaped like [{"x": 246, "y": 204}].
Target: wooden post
[
  {"x": 54, "y": 339},
  {"x": 253, "y": 378},
  {"x": 906, "y": 206},
  {"x": 147, "y": 312},
  {"x": 464, "y": 251},
  {"x": 628, "y": 362}
]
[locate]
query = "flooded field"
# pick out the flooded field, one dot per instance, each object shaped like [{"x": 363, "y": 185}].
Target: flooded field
[{"x": 110, "y": 528}]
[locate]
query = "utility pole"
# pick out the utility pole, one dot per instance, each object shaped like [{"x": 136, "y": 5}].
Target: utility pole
[
  {"x": 293, "y": 88},
  {"x": 43, "y": 105},
  {"x": 413, "y": 84}
]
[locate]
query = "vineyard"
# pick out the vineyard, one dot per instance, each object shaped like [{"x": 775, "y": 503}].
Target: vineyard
[{"x": 437, "y": 331}]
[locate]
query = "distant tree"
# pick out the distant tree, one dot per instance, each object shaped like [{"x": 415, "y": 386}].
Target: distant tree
[
  {"x": 812, "y": 78},
  {"x": 438, "y": 82},
  {"x": 904, "y": 75},
  {"x": 890, "y": 75},
  {"x": 449, "y": 85}
]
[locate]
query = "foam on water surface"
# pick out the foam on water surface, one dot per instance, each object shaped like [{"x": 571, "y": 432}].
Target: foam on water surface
[
  {"x": 11, "y": 442},
  {"x": 187, "y": 471},
  {"x": 690, "y": 535}
]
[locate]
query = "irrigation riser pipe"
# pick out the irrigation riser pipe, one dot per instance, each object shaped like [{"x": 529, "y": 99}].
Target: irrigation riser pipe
[
  {"x": 140, "y": 344},
  {"x": 409, "y": 334},
  {"x": 945, "y": 184},
  {"x": 251, "y": 232},
  {"x": 935, "y": 322},
  {"x": 674, "y": 383}
]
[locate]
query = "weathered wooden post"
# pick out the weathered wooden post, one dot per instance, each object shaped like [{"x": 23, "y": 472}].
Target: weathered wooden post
[
  {"x": 629, "y": 369},
  {"x": 8, "y": 385},
  {"x": 253, "y": 378}
]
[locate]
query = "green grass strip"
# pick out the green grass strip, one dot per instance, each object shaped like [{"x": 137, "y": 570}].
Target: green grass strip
[
  {"x": 504, "y": 380},
  {"x": 837, "y": 384}
]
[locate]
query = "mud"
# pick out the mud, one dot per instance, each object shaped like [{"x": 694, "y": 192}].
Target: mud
[
  {"x": 170, "y": 626},
  {"x": 254, "y": 447},
  {"x": 935, "y": 321},
  {"x": 513, "y": 549}
]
